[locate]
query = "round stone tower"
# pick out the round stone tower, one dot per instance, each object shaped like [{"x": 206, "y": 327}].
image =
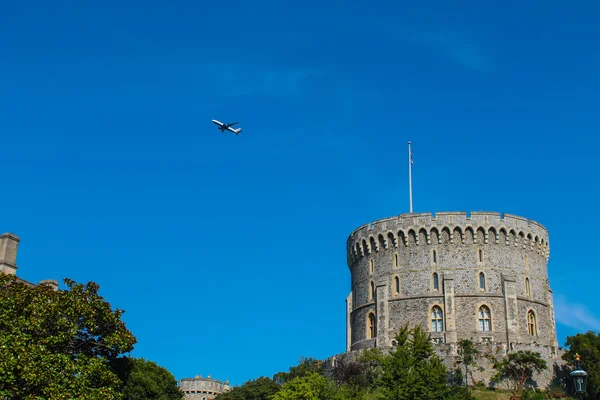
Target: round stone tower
[{"x": 482, "y": 276}]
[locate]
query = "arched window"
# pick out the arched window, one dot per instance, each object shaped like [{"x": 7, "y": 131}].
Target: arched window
[
  {"x": 371, "y": 290},
  {"x": 527, "y": 287},
  {"x": 396, "y": 285},
  {"x": 437, "y": 319},
  {"x": 436, "y": 283},
  {"x": 531, "y": 324},
  {"x": 480, "y": 255},
  {"x": 371, "y": 331},
  {"x": 485, "y": 321},
  {"x": 434, "y": 257},
  {"x": 371, "y": 266},
  {"x": 481, "y": 281}
]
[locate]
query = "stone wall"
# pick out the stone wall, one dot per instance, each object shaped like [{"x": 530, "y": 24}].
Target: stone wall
[{"x": 199, "y": 388}]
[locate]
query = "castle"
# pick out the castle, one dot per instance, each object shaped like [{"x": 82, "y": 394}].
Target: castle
[
  {"x": 481, "y": 276},
  {"x": 9, "y": 245},
  {"x": 199, "y": 388}
]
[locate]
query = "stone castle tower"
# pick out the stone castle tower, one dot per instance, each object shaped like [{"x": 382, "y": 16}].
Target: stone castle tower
[{"x": 482, "y": 276}]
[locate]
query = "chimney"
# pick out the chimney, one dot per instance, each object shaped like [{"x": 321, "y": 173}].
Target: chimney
[
  {"x": 9, "y": 244},
  {"x": 50, "y": 282}
]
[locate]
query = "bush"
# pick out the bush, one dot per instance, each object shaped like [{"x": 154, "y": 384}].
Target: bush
[{"x": 533, "y": 394}]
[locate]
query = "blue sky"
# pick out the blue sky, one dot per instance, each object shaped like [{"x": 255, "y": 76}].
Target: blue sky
[{"x": 228, "y": 253}]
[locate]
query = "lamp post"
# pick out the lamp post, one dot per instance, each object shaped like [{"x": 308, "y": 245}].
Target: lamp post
[{"x": 579, "y": 377}]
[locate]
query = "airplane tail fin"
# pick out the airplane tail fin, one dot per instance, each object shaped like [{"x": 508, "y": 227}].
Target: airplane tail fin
[{"x": 238, "y": 131}]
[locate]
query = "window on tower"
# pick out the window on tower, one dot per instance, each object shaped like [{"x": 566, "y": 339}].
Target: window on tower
[
  {"x": 437, "y": 319},
  {"x": 371, "y": 331},
  {"x": 484, "y": 319},
  {"x": 531, "y": 323}
]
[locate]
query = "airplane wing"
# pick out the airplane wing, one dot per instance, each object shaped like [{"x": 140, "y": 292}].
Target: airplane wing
[{"x": 232, "y": 124}]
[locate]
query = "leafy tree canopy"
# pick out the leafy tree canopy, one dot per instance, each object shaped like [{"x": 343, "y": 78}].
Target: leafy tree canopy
[
  {"x": 58, "y": 344},
  {"x": 587, "y": 345},
  {"x": 412, "y": 370},
  {"x": 305, "y": 366},
  {"x": 258, "y": 389},
  {"x": 311, "y": 386},
  {"x": 518, "y": 368},
  {"x": 143, "y": 380}
]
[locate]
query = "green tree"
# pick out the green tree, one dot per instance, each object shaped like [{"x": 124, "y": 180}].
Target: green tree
[
  {"x": 262, "y": 388},
  {"x": 412, "y": 369},
  {"x": 587, "y": 345},
  {"x": 311, "y": 386},
  {"x": 144, "y": 380},
  {"x": 518, "y": 368},
  {"x": 59, "y": 344},
  {"x": 305, "y": 366},
  {"x": 467, "y": 353},
  {"x": 355, "y": 377}
]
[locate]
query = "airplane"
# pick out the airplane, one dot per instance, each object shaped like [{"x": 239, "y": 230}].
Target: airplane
[{"x": 223, "y": 127}]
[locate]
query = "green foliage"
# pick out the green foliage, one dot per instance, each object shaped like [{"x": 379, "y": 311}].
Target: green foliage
[
  {"x": 305, "y": 366},
  {"x": 311, "y": 386},
  {"x": 466, "y": 354},
  {"x": 412, "y": 370},
  {"x": 533, "y": 394},
  {"x": 467, "y": 351},
  {"x": 262, "y": 388},
  {"x": 58, "y": 344},
  {"x": 587, "y": 345},
  {"x": 518, "y": 368},
  {"x": 146, "y": 380},
  {"x": 356, "y": 378}
]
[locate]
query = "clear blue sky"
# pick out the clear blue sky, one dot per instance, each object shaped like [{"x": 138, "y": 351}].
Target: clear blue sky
[{"x": 228, "y": 253}]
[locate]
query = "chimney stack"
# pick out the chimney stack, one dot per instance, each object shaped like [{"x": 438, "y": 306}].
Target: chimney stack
[{"x": 9, "y": 245}]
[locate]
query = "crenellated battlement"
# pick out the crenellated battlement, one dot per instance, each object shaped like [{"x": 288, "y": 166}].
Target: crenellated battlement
[{"x": 448, "y": 227}]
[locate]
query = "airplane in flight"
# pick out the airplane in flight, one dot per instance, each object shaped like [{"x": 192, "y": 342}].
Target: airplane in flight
[{"x": 223, "y": 127}]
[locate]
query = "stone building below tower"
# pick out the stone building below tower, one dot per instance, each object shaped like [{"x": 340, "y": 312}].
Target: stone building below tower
[{"x": 199, "y": 388}]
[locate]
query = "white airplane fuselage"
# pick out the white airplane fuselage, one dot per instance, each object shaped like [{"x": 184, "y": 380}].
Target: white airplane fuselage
[{"x": 223, "y": 127}]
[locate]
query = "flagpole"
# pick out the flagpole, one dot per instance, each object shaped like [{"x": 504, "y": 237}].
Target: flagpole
[{"x": 410, "y": 176}]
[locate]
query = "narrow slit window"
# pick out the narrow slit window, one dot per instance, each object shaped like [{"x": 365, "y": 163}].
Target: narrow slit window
[
  {"x": 436, "y": 283},
  {"x": 435, "y": 257},
  {"x": 372, "y": 290},
  {"x": 481, "y": 281},
  {"x": 480, "y": 255},
  {"x": 531, "y": 323},
  {"x": 527, "y": 287},
  {"x": 396, "y": 285}
]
